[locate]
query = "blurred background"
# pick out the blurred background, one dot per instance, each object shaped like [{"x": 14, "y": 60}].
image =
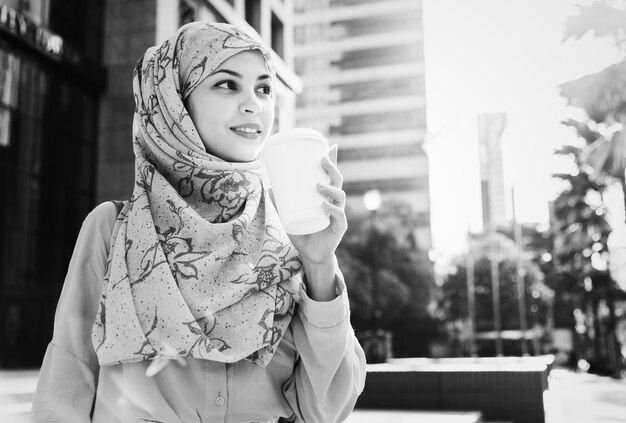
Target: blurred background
[{"x": 481, "y": 142}]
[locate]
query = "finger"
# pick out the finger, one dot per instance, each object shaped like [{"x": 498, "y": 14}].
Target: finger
[
  {"x": 337, "y": 214},
  {"x": 336, "y": 195},
  {"x": 332, "y": 153},
  {"x": 336, "y": 179}
]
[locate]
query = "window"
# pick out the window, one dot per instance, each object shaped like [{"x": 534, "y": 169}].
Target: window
[
  {"x": 36, "y": 10},
  {"x": 253, "y": 14},
  {"x": 380, "y": 56},
  {"x": 80, "y": 24},
  {"x": 9, "y": 78},
  {"x": 5, "y": 127},
  {"x": 408, "y": 20},
  {"x": 186, "y": 13},
  {"x": 380, "y": 122},
  {"x": 278, "y": 36}
]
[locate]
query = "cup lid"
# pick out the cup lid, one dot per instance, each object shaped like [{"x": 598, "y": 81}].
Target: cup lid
[{"x": 294, "y": 134}]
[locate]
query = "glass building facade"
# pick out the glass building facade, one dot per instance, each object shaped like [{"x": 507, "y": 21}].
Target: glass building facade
[{"x": 50, "y": 83}]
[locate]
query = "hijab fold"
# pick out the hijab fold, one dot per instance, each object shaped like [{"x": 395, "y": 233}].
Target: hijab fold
[{"x": 199, "y": 264}]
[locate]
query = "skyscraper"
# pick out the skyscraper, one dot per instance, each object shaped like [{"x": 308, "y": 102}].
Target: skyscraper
[{"x": 362, "y": 67}]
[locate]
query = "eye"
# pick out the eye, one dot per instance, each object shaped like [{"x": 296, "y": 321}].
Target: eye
[
  {"x": 264, "y": 89},
  {"x": 227, "y": 85}
]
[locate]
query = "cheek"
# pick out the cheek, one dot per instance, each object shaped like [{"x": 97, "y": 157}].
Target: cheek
[
  {"x": 201, "y": 105},
  {"x": 209, "y": 129},
  {"x": 269, "y": 112},
  {"x": 208, "y": 118}
]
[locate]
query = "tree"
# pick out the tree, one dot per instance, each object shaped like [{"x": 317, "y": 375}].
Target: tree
[
  {"x": 383, "y": 266},
  {"x": 602, "y": 95},
  {"x": 581, "y": 255},
  {"x": 453, "y": 296},
  {"x": 580, "y": 240}
]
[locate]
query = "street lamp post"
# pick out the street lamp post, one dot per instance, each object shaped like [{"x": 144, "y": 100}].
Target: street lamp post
[
  {"x": 372, "y": 200},
  {"x": 495, "y": 288},
  {"x": 471, "y": 294},
  {"x": 521, "y": 286},
  {"x": 379, "y": 344}
]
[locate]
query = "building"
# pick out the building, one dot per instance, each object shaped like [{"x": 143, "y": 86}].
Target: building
[
  {"x": 66, "y": 109},
  {"x": 362, "y": 68},
  {"x": 51, "y": 80},
  {"x": 490, "y": 129}
]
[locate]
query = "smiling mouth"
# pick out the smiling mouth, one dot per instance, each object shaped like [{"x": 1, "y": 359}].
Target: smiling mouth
[{"x": 246, "y": 131}]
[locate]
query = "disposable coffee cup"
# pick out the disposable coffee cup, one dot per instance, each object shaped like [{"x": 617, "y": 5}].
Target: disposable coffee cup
[{"x": 293, "y": 159}]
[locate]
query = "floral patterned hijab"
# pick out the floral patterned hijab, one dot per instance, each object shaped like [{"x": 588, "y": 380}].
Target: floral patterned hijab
[{"x": 199, "y": 264}]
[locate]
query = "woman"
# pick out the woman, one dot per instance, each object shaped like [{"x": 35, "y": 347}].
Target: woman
[{"x": 192, "y": 304}]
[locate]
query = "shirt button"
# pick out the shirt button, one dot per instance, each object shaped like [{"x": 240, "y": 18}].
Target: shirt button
[{"x": 220, "y": 401}]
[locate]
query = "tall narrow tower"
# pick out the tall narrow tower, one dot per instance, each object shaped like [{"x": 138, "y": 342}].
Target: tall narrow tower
[{"x": 490, "y": 129}]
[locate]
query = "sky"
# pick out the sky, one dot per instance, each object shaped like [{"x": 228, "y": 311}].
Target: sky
[{"x": 499, "y": 56}]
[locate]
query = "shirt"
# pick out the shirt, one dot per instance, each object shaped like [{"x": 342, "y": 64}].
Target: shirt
[{"x": 315, "y": 376}]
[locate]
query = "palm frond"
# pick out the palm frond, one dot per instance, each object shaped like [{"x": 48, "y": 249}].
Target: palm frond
[
  {"x": 566, "y": 150},
  {"x": 583, "y": 130},
  {"x": 607, "y": 157},
  {"x": 599, "y": 19},
  {"x": 602, "y": 95}
]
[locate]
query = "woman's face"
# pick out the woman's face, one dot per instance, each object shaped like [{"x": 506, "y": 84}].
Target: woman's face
[{"x": 233, "y": 108}]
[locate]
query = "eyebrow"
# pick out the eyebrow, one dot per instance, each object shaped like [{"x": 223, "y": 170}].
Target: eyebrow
[{"x": 238, "y": 75}]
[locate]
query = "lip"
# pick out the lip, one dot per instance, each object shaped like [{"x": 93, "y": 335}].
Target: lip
[{"x": 248, "y": 135}]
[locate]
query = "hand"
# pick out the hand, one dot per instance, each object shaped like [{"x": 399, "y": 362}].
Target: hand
[
  {"x": 317, "y": 250},
  {"x": 319, "y": 247}
]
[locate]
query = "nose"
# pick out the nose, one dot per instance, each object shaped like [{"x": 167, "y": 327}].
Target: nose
[{"x": 250, "y": 105}]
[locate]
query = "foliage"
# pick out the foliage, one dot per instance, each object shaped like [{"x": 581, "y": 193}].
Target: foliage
[
  {"x": 607, "y": 156},
  {"x": 601, "y": 19},
  {"x": 453, "y": 296},
  {"x": 581, "y": 232},
  {"x": 581, "y": 255},
  {"x": 581, "y": 229},
  {"x": 383, "y": 250},
  {"x": 602, "y": 95},
  {"x": 583, "y": 130}
]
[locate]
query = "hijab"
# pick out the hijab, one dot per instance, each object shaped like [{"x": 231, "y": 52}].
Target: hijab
[{"x": 199, "y": 264}]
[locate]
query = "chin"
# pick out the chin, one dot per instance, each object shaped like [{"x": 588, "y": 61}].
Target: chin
[{"x": 243, "y": 157}]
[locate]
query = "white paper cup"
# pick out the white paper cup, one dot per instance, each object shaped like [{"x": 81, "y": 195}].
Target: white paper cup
[{"x": 293, "y": 161}]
